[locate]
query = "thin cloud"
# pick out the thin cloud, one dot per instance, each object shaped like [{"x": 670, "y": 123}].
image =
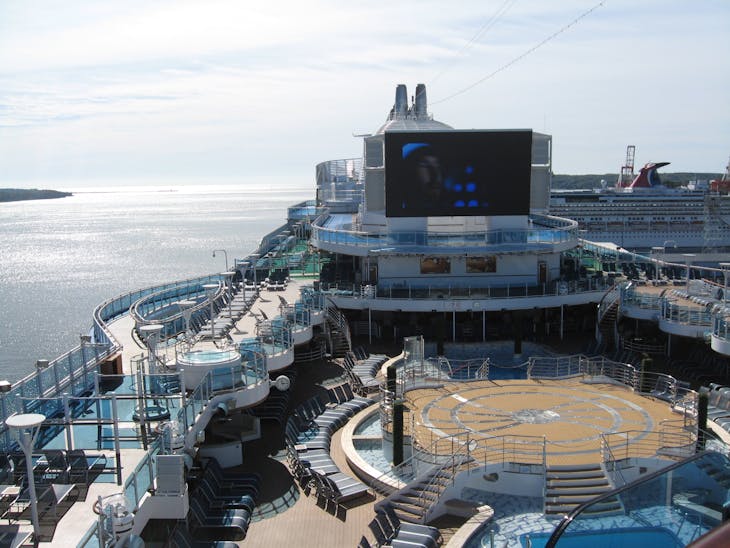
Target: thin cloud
[{"x": 190, "y": 87}]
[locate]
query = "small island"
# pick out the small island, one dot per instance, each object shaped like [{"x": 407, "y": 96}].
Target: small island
[{"x": 18, "y": 194}]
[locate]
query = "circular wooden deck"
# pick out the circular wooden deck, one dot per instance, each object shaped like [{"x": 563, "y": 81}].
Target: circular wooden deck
[{"x": 571, "y": 415}]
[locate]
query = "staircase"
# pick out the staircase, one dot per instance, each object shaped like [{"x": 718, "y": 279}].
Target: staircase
[
  {"x": 567, "y": 487},
  {"x": 338, "y": 332},
  {"x": 715, "y": 467},
  {"x": 608, "y": 316},
  {"x": 413, "y": 502}
]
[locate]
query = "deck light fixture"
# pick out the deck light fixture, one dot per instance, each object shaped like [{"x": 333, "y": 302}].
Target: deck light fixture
[
  {"x": 25, "y": 428},
  {"x": 210, "y": 290},
  {"x": 225, "y": 255}
]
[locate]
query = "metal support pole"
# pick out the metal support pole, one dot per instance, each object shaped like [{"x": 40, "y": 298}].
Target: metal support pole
[
  {"x": 453, "y": 325},
  {"x": 117, "y": 448},
  {"x": 370, "y": 326},
  {"x": 67, "y": 420}
]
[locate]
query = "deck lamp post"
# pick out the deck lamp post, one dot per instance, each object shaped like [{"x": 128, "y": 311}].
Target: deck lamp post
[
  {"x": 25, "y": 427},
  {"x": 225, "y": 255},
  {"x": 725, "y": 272},
  {"x": 149, "y": 334},
  {"x": 185, "y": 307},
  {"x": 210, "y": 290}
]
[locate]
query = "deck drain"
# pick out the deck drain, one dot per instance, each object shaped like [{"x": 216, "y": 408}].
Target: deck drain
[{"x": 535, "y": 416}]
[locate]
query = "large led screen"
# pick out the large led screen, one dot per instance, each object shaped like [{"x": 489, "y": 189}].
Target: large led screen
[{"x": 457, "y": 173}]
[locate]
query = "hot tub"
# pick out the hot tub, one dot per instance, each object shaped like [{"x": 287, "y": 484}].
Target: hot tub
[{"x": 225, "y": 365}]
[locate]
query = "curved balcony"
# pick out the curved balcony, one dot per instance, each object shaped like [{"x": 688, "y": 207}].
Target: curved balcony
[
  {"x": 422, "y": 298},
  {"x": 274, "y": 338},
  {"x": 684, "y": 320},
  {"x": 720, "y": 339},
  {"x": 160, "y": 307},
  {"x": 315, "y": 301},
  {"x": 203, "y": 402},
  {"x": 298, "y": 316},
  {"x": 304, "y": 210},
  {"x": 547, "y": 234},
  {"x": 638, "y": 305}
]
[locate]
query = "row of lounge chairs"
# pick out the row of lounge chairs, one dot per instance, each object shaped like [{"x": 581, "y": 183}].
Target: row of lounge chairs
[
  {"x": 308, "y": 435},
  {"x": 362, "y": 372},
  {"x": 718, "y": 405},
  {"x": 57, "y": 466},
  {"x": 221, "y": 507},
  {"x": 701, "y": 366},
  {"x": 223, "y": 322},
  {"x": 388, "y": 530},
  {"x": 276, "y": 405}
]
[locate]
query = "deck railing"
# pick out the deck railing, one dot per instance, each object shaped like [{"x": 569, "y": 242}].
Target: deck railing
[
  {"x": 161, "y": 308},
  {"x": 142, "y": 480},
  {"x": 670, "y": 441},
  {"x": 412, "y": 291},
  {"x": 554, "y": 231},
  {"x": 721, "y": 326},
  {"x": 674, "y": 312},
  {"x": 677, "y": 504}
]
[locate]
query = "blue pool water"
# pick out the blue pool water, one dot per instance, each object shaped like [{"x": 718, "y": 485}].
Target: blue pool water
[
  {"x": 650, "y": 537},
  {"x": 369, "y": 427},
  {"x": 210, "y": 356}
]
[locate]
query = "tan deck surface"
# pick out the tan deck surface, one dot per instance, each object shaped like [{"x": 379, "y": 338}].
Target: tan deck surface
[{"x": 570, "y": 414}]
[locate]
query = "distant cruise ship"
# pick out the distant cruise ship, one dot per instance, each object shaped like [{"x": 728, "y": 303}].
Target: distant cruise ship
[{"x": 643, "y": 214}]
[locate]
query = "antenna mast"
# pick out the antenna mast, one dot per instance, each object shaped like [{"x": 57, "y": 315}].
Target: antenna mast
[{"x": 627, "y": 170}]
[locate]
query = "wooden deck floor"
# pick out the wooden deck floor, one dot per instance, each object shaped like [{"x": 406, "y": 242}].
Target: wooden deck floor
[
  {"x": 571, "y": 415},
  {"x": 293, "y": 518}
]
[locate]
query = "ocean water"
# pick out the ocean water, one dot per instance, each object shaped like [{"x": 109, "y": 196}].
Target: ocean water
[{"x": 60, "y": 258}]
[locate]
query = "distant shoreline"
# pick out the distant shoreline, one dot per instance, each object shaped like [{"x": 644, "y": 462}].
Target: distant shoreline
[{"x": 21, "y": 194}]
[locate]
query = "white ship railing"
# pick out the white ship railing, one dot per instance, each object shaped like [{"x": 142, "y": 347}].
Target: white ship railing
[
  {"x": 630, "y": 296},
  {"x": 721, "y": 326},
  {"x": 161, "y": 307},
  {"x": 550, "y": 234},
  {"x": 303, "y": 211},
  {"x": 414, "y": 291},
  {"x": 685, "y": 315}
]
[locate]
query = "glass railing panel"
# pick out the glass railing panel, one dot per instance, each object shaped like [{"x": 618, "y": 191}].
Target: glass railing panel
[
  {"x": 420, "y": 238},
  {"x": 121, "y": 385},
  {"x": 721, "y": 328},
  {"x": 671, "y": 507},
  {"x": 91, "y": 538},
  {"x": 141, "y": 479}
]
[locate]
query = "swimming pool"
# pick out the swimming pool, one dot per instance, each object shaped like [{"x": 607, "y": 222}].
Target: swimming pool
[
  {"x": 225, "y": 364},
  {"x": 644, "y": 537}
]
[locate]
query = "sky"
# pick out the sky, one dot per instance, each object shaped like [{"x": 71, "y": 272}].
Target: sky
[{"x": 207, "y": 91}]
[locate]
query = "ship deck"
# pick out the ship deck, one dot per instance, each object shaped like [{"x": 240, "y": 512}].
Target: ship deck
[{"x": 570, "y": 414}]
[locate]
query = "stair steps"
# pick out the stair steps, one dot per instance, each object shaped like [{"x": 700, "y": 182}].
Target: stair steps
[
  {"x": 567, "y": 487},
  {"x": 413, "y": 502}
]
